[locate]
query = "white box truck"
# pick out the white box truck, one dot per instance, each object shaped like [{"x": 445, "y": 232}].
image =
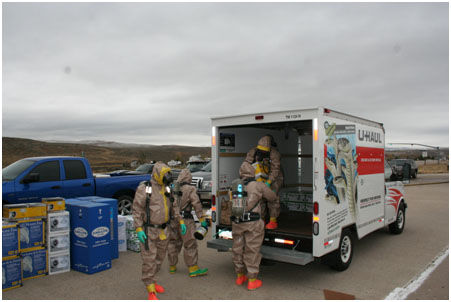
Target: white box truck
[{"x": 334, "y": 188}]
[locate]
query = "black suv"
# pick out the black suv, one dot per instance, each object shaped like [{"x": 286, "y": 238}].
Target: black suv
[{"x": 398, "y": 164}]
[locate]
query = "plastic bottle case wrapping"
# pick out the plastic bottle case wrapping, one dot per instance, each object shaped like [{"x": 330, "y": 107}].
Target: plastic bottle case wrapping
[{"x": 133, "y": 243}]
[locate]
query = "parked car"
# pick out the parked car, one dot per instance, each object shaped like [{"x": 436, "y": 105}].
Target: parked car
[
  {"x": 195, "y": 163},
  {"x": 31, "y": 179},
  {"x": 398, "y": 164},
  {"x": 202, "y": 181},
  {"x": 142, "y": 169}
]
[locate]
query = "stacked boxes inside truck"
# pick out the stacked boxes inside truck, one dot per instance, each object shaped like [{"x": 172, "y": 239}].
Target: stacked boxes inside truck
[
  {"x": 58, "y": 236},
  {"x": 89, "y": 235},
  {"x": 23, "y": 238}
]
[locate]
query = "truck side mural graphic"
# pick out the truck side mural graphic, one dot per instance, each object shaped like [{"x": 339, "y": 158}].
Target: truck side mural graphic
[{"x": 340, "y": 159}]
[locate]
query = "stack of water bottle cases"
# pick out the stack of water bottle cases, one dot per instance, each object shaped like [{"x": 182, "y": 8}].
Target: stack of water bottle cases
[{"x": 35, "y": 241}]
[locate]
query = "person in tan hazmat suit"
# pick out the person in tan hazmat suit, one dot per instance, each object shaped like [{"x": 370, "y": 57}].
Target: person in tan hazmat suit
[
  {"x": 248, "y": 231},
  {"x": 186, "y": 201},
  {"x": 153, "y": 200},
  {"x": 266, "y": 160}
]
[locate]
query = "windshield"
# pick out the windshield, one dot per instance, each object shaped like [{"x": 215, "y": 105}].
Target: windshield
[
  {"x": 398, "y": 162},
  {"x": 207, "y": 167},
  {"x": 15, "y": 169},
  {"x": 194, "y": 167},
  {"x": 146, "y": 168}
]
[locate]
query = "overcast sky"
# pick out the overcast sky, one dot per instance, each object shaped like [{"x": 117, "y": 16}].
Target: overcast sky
[{"x": 155, "y": 73}]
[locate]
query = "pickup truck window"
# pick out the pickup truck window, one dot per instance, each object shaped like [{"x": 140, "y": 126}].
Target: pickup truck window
[
  {"x": 74, "y": 169},
  {"x": 15, "y": 169},
  {"x": 48, "y": 171}
]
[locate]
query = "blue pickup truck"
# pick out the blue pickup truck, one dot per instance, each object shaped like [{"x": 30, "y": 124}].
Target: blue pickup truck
[{"x": 30, "y": 179}]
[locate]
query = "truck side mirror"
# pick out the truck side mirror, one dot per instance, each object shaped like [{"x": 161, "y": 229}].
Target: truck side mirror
[{"x": 32, "y": 177}]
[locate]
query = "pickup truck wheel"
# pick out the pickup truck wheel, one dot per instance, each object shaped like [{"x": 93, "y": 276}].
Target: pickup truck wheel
[
  {"x": 398, "y": 225},
  {"x": 124, "y": 204},
  {"x": 340, "y": 259}
]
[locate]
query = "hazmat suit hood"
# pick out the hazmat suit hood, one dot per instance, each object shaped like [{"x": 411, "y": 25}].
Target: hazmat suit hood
[
  {"x": 246, "y": 170},
  {"x": 158, "y": 172},
  {"x": 264, "y": 143},
  {"x": 185, "y": 177}
]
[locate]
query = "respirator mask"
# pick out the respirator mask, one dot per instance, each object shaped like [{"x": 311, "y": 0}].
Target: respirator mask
[{"x": 260, "y": 155}]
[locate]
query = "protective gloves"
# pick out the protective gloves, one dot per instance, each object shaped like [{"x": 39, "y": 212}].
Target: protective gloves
[
  {"x": 141, "y": 235},
  {"x": 183, "y": 227},
  {"x": 203, "y": 222}
]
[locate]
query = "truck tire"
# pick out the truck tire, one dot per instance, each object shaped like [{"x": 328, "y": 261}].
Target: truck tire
[
  {"x": 398, "y": 225},
  {"x": 414, "y": 175},
  {"x": 124, "y": 204},
  {"x": 340, "y": 259}
]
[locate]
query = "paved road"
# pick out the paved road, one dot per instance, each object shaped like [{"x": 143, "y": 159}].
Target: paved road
[
  {"x": 429, "y": 178},
  {"x": 382, "y": 262}
]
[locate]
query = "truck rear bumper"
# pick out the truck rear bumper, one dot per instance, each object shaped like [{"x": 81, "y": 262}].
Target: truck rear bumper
[{"x": 268, "y": 252}]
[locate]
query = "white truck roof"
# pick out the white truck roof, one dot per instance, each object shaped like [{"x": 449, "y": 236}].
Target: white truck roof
[{"x": 288, "y": 115}]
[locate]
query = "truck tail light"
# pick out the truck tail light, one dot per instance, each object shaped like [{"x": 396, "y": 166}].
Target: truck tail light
[
  {"x": 315, "y": 208},
  {"x": 284, "y": 241},
  {"x": 213, "y": 208},
  {"x": 259, "y": 117},
  {"x": 315, "y": 129},
  {"x": 316, "y": 228},
  {"x": 213, "y": 136}
]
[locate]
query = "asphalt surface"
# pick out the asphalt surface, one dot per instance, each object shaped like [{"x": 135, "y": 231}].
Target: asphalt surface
[{"x": 382, "y": 262}]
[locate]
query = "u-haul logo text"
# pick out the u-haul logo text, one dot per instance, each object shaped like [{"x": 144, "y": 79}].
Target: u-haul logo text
[{"x": 369, "y": 136}]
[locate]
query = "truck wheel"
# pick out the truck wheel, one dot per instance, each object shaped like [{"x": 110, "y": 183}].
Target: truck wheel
[
  {"x": 340, "y": 259},
  {"x": 398, "y": 226},
  {"x": 124, "y": 204},
  {"x": 414, "y": 175}
]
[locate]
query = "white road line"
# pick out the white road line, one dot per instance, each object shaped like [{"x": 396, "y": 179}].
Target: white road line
[{"x": 401, "y": 293}]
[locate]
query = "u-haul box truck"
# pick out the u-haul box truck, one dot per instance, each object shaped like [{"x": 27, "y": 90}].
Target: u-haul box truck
[{"x": 334, "y": 187}]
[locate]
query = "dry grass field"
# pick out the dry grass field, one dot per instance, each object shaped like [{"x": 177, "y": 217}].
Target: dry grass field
[
  {"x": 433, "y": 169},
  {"x": 102, "y": 159}
]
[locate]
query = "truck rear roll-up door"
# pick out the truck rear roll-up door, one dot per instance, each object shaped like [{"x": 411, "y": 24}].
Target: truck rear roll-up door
[{"x": 268, "y": 252}]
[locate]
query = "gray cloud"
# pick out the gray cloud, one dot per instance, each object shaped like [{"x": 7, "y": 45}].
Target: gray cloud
[{"x": 155, "y": 72}]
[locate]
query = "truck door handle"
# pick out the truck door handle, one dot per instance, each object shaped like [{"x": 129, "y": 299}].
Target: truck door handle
[
  {"x": 56, "y": 187},
  {"x": 87, "y": 185}
]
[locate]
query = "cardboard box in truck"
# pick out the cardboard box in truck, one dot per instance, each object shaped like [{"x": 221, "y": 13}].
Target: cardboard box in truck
[{"x": 334, "y": 189}]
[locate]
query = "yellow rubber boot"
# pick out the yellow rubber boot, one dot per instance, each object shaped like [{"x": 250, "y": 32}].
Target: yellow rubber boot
[{"x": 195, "y": 271}]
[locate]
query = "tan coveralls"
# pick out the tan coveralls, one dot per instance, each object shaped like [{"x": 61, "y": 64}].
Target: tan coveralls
[
  {"x": 161, "y": 209},
  {"x": 187, "y": 201},
  {"x": 248, "y": 236},
  {"x": 275, "y": 173}
]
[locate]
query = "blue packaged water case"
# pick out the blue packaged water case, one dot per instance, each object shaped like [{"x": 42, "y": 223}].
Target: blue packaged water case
[
  {"x": 90, "y": 236},
  {"x": 10, "y": 238},
  {"x": 113, "y": 221},
  {"x": 34, "y": 263}
]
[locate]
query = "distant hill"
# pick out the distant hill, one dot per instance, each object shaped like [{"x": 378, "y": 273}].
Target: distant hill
[{"x": 101, "y": 156}]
